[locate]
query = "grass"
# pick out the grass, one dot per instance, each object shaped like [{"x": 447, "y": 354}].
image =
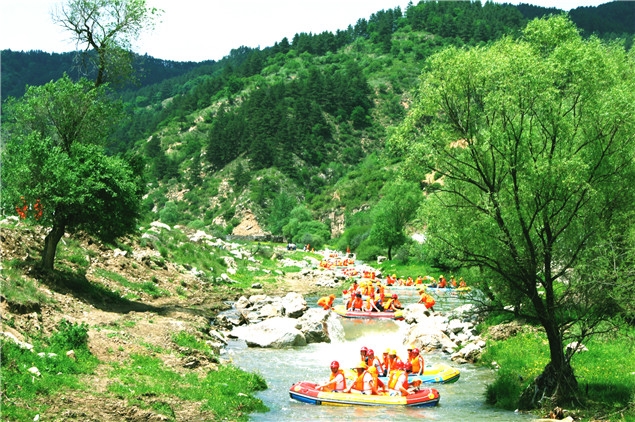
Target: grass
[
  {"x": 605, "y": 373},
  {"x": 226, "y": 393},
  {"x": 58, "y": 372},
  {"x": 146, "y": 287},
  {"x": 19, "y": 289}
]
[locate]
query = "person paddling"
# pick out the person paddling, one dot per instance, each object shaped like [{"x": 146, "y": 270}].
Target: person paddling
[{"x": 337, "y": 382}]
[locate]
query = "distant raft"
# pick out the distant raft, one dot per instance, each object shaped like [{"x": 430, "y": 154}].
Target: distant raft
[
  {"x": 306, "y": 392},
  {"x": 341, "y": 310}
]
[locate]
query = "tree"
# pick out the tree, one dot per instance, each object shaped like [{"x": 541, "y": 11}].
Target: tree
[
  {"x": 398, "y": 204},
  {"x": 532, "y": 143},
  {"x": 53, "y": 156},
  {"x": 107, "y": 27}
]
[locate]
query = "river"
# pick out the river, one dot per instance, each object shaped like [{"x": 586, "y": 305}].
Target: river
[{"x": 460, "y": 401}]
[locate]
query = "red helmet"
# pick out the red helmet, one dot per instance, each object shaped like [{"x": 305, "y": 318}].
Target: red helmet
[
  {"x": 394, "y": 296},
  {"x": 370, "y": 352},
  {"x": 363, "y": 350},
  {"x": 399, "y": 365},
  {"x": 415, "y": 351},
  {"x": 335, "y": 365},
  {"x": 408, "y": 366}
]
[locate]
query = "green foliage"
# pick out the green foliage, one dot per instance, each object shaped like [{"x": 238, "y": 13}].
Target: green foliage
[
  {"x": 187, "y": 340},
  {"x": 22, "y": 391},
  {"x": 19, "y": 289},
  {"x": 412, "y": 268},
  {"x": 170, "y": 213},
  {"x": 397, "y": 206},
  {"x": 604, "y": 393},
  {"x": 280, "y": 213},
  {"x": 52, "y": 157},
  {"x": 226, "y": 392},
  {"x": 70, "y": 336},
  {"x": 518, "y": 131},
  {"x": 146, "y": 287},
  {"x": 301, "y": 229}
]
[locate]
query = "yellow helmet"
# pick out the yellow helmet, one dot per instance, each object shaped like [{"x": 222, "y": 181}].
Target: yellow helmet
[{"x": 362, "y": 365}]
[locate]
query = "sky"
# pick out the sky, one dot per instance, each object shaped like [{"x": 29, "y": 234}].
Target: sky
[{"x": 197, "y": 30}]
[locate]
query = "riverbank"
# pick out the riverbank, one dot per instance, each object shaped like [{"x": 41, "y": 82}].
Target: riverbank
[
  {"x": 149, "y": 353},
  {"x": 139, "y": 321}
]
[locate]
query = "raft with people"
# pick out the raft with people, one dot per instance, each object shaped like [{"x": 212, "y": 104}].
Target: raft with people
[
  {"x": 343, "y": 312},
  {"x": 307, "y": 392},
  {"x": 439, "y": 373}
]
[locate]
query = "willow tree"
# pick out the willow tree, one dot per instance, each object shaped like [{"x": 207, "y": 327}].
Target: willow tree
[
  {"x": 532, "y": 142},
  {"x": 106, "y": 28}
]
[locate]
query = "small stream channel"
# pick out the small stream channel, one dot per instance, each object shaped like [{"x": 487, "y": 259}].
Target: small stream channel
[{"x": 460, "y": 401}]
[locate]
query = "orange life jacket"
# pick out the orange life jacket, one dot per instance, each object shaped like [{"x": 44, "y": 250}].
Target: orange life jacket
[
  {"x": 341, "y": 384},
  {"x": 394, "y": 378},
  {"x": 362, "y": 383},
  {"x": 358, "y": 303},
  {"x": 417, "y": 364}
]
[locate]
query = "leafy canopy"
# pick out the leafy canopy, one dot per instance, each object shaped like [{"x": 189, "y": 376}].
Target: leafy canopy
[
  {"x": 53, "y": 155},
  {"x": 531, "y": 141}
]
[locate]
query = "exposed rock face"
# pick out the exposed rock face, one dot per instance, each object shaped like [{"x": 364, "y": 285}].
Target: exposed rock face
[{"x": 248, "y": 226}]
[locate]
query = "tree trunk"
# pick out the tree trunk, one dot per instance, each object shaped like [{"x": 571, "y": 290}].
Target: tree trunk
[
  {"x": 389, "y": 253},
  {"x": 557, "y": 384},
  {"x": 50, "y": 245}
]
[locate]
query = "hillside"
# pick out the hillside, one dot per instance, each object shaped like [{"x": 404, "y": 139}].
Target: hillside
[
  {"x": 133, "y": 302},
  {"x": 300, "y": 125}
]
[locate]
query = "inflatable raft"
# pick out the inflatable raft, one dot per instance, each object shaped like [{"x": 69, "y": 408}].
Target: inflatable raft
[
  {"x": 439, "y": 373},
  {"x": 432, "y": 374},
  {"x": 341, "y": 310},
  {"x": 306, "y": 392}
]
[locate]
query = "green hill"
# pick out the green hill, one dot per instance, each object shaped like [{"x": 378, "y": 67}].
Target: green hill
[{"x": 299, "y": 126}]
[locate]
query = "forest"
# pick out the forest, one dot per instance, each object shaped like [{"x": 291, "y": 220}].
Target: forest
[{"x": 314, "y": 111}]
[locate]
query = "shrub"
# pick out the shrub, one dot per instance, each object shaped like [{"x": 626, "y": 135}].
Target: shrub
[{"x": 70, "y": 336}]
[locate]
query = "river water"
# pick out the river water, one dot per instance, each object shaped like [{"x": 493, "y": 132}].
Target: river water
[{"x": 460, "y": 401}]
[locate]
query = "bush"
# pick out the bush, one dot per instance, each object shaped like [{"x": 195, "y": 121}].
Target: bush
[
  {"x": 504, "y": 392},
  {"x": 368, "y": 251},
  {"x": 70, "y": 336},
  {"x": 170, "y": 214}
]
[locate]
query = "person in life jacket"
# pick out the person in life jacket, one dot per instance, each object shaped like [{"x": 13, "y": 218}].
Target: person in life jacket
[
  {"x": 393, "y": 303},
  {"x": 453, "y": 283},
  {"x": 373, "y": 361},
  {"x": 393, "y": 360},
  {"x": 337, "y": 381},
  {"x": 378, "y": 385},
  {"x": 462, "y": 282},
  {"x": 363, "y": 354},
  {"x": 358, "y": 303},
  {"x": 363, "y": 384},
  {"x": 442, "y": 282},
  {"x": 369, "y": 304},
  {"x": 385, "y": 363},
  {"x": 416, "y": 360},
  {"x": 398, "y": 381},
  {"x": 326, "y": 302},
  {"x": 426, "y": 299}
]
